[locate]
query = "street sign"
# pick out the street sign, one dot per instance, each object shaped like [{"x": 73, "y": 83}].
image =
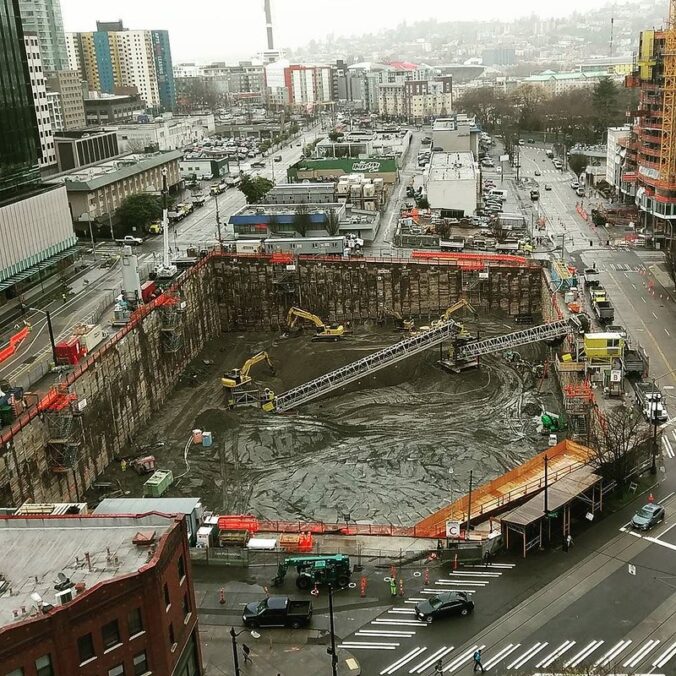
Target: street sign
[
  {"x": 452, "y": 529},
  {"x": 504, "y": 158}
]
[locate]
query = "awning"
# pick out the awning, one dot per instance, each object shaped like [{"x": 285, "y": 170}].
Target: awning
[
  {"x": 559, "y": 493},
  {"x": 34, "y": 269}
]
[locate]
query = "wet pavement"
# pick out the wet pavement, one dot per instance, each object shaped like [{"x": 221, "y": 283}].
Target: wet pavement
[{"x": 379, "y": 451}]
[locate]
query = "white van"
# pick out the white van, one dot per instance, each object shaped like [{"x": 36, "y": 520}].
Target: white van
[{"x": 500, "y": 194}]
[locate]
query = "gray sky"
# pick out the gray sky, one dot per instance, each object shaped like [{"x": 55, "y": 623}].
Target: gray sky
[{"x": 228, "y": 29}]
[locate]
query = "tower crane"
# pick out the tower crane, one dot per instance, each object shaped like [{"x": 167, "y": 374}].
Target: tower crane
[{"x": 668, "y": 139}]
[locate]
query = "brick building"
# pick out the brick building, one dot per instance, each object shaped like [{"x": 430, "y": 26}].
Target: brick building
[{"x": 97, "y": 596}]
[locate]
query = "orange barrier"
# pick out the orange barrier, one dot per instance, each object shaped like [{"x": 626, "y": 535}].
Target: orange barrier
[
  {"x": 14, "y": 343},
  {"x": 502, "y": 259}
]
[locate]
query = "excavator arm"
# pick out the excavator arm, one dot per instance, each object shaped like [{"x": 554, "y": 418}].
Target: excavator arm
[
  {"x": 238, "y": 377},
  {"x": 296, "y": 313},
  {"x": 462, "y": 303},
  {"x": 256, "y": 359}
]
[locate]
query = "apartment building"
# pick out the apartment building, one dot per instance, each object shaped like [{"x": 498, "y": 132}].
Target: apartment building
[
  {"x": 43, "y": 18},
  {"x": 299, "y": 86},
  {"x": 417, "y": 100},
  {"x": 68, "y": 85},
  {"x": 554, "y": 83},
  {"x": 39, "y": 91}
]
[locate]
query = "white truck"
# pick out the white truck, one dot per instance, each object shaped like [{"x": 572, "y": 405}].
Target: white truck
[{"x": 649, "y": 400}]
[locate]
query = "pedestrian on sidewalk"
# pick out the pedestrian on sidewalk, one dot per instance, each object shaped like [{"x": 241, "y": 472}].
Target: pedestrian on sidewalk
[
  {"x": 438, "y": 667},
  {"x": 487, "y": 558},
  {"x": 247, "y": 653},
  {"x": 569, "y": 541},
  {"x": 64, "y": 298},
  {"x": 477, "y": 661}
]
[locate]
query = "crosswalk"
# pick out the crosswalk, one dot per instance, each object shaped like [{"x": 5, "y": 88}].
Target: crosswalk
[
  {"x": 668, "y": 445},
  {"x": 620, "y": 267},
  {"x": 650, "y": 655}
]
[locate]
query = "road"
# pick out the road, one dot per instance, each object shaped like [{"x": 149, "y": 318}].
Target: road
[{"x": 91, "y": 295}]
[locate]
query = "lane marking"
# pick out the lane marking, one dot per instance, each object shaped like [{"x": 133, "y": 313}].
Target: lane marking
[
  {"x": 643, "y": 299},
  {"x": 667, "y": 447},
  {"x": 504, "y": 653},
  {"x": 667, "y": 331},
  {"x": 435, "y": 657},
  {"x": 459, "y": 660},
  {"x": 402, "y": 661},
  {"x": 434, "y": 592},
  {"x": 640, "y": 653},
  {"x": 555, "y": 654},
  {"x": 400, "y": 623},
  {"x": 382, "y": 632},
  {"x": 522, "y": 659},
  {"x": 477, "y": 574},
  {"x": 402, "y": 611},
  {"x": 374, "y": 646},
  {"x": 665, "y": 656},
  {"x": 612, "y": 653},
  {"x": 469, "y": 583},
  {"x": 585, "y": 652},
  {"x": 673, "y": 434},
  {"x": 654, "y": 315}
]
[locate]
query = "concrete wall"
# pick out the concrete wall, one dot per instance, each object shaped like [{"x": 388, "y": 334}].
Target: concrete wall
[{"x": 129, "y": 379}]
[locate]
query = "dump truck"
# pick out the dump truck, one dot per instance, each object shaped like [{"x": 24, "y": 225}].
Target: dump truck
[
  {"x": 333, "y": 569},
  {"x": 591, "y": 277},
  {"x": 649, "y": 400},
  {"x": 277, "y": 611}
]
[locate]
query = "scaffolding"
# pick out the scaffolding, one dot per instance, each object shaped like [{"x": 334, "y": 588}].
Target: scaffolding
[
  {"x": 578, "y": 401},
  {"x": 171, "y": 314},
  {"x": 63, "y": 433}
]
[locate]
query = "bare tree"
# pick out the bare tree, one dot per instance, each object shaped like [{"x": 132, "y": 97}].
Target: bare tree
[
  {"x": 332, "y": 223},
  {"x": 301, "y": 220},
  {"x": 620, "y": 441}
]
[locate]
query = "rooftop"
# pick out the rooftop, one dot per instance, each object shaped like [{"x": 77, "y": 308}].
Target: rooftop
[
  {"x": 114, "y": 170},
  {"x": 452, "y": 167},
  {"x": 37, "y": 553},
  {"x": 284, "y": 209}
]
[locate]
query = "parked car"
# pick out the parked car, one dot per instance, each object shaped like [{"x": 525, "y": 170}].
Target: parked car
[
  {"x": 580, "y": 192},
  {"x": 648, "y": 516},
  {"x": 443, "y": 605},
  {"x": 258, "y": 165},
  {"x": 278, "y": 158},
  {"x": 574, "y": 185},
  {"x": 538, "y": 172},
  {"x": 547, "y": 186}
]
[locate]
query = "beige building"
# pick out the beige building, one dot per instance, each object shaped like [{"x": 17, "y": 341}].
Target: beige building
[
  {"x": 69, "y": 87},
  {"x": 94, "y": 193}
]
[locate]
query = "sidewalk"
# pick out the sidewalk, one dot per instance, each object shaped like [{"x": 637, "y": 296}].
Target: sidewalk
[{"x": 269, "y": 659}]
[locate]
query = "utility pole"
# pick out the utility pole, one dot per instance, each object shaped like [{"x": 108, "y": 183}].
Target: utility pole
[
  {"x": 218, "y": 225},
  {"x": 653, "y": 409},
  {"x": 332, "y": 649}
]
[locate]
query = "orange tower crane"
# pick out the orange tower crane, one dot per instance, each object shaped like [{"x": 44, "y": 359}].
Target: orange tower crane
[{"x": 668, "y": 142}]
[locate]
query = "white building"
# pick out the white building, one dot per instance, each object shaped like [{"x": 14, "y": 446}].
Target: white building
[
  {"x": 452, "y": 183},
  {"x": 55, "y": 111},
  {"x": 39, "y": 89},
  {"x": 166, "y": 133},
  {"x": 135, "y": 63},
  {"x": 454, "y": 134},
  {"x": 614, "y": 153},
  {"x": 43, "y": 18}
]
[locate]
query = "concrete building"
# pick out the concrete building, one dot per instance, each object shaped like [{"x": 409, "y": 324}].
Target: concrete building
[
  {"x": 43, "y": 17},
  {"x": 55, "y": 112},
  {"x": 102, "y": 109},
  {"x": 68, "y": 85},
  {"x": 452, "y": 183},
  {"x": 614, "y": 153},
  {"x": 302, "y": 193},
  {"x": 169, "y": 133},
  {"x": 299, "y": 86},
  {"x": 95, "y": 192},
  {"x": 612, "y": 65},
  {"x": 554, "y": 83},
  {"x": 76, "y": 149},
  {"x": 36, "y": 233},
  {"x": 97, "y": 595},
  {"x": 113, "y": 57},
  {"x": 456, "y": 134},
  {"x": 366, "y": 144},
  {"x": 39, "y": 91},
  {"x": 417, "y": 100},
  {"x": 499, "y": 56}
]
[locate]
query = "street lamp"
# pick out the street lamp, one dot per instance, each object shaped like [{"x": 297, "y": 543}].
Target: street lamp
[
  {"x": 332, "y": 650},
  {"x": 235, "y": 657},
  {"x": 654, "y": 421},
  {"x": 49, "y": 327}
]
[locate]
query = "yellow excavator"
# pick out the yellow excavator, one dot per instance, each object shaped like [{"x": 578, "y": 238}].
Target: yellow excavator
[
  {"x": 404, "y": 324},
  {"x": 323, "y": 332},
  {"x": 238, "y": 377},
  {"x": 462, "y": 303}
]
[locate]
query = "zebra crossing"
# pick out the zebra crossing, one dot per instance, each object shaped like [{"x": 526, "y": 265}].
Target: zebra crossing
[
  {"x": 650, "y": 655},
  {"x": 620, "y": 267},
  {"x": 400, "y": 623},
  {"x": 668, "y": 445}
]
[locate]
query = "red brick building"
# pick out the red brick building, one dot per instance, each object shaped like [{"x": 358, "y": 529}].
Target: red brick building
[{"x": 97, "y": 596}]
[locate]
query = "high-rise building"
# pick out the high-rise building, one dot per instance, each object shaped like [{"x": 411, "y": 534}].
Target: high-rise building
[
  {"x": 68, "y": 85},
  {"x": 112, "y": 58},
  {"x": 19, "y": 139},
  {"x": 39, "y": 90},
  {"x": 44, "y": 18}
]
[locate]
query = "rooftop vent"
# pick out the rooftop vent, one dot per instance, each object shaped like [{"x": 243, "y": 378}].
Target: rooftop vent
[{"x": 144, "y": 538}]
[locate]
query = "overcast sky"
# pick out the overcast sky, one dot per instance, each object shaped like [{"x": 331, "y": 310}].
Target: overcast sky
[{"x": 229, "y": 29}]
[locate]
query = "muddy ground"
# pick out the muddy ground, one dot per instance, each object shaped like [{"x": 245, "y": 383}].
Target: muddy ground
[{"x": 379, "y": 451}]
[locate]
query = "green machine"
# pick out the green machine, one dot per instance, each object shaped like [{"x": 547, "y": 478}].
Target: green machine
[{"x": 332, "y": 569}]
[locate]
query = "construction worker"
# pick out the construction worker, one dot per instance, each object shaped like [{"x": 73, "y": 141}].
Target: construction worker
[
  {"x": 64, "y": 298},
  {"x": 393, "y": 586}
]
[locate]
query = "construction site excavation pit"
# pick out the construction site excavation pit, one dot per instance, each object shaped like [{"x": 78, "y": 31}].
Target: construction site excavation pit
[{"x": 390, "y": 448}]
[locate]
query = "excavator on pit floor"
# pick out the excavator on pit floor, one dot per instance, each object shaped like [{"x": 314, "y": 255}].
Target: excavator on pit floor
[
  {"x": 323, "y": 332},
  {"x": 459, "y": 305},
  {"x": 238, "y": 377},
  {"x": 403, "y": 324},
  {"x": 333, "y": 569}
]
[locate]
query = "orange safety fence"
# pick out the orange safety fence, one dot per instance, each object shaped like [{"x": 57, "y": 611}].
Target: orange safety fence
[{"x": 14, "y": 342}]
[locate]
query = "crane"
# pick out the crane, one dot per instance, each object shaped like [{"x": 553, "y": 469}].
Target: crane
[
  {"x": 238, "y": 377},
  {"x": 323, "y": 332},
  {"x": 668, "y": 136},
  {"x": 404, "y": 324}
]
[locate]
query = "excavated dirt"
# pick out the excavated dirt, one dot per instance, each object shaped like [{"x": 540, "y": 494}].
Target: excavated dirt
[{"x": 379, "y": 451}]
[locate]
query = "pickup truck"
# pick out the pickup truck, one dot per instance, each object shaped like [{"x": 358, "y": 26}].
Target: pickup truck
[
  {"x": 277, "y": 611},
  {"x": 649, "y": 399},
  {"x": 129, "y": 240}
]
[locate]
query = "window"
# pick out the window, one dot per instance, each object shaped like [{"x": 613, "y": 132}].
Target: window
[
  {"x": 135, "y": 622},
  {"x": 16, "y": 672},
  {"x": 85, "y": 646},
  {"x": 186, "y": 604},
  {"x": 111, "y": 634},
  {"x": 167, "y": 600},
  {"x": 140, "y": 664},
  {"x": 116, "y": 671},
  {"x": 172, "y": 640},
  {"x": 43, "y": 666}
]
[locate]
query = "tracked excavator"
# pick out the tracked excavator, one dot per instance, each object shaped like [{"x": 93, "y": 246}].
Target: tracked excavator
[
  {"x": 404, "y": 324},
  {"x": 323, "y": 332},
  {"x": 238, "y": 377},
  {"x": 450, "y": 311}
]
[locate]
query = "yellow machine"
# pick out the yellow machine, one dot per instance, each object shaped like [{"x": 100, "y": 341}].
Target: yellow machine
[
  {"x": 404, "y": 324},
  {"x": 268, "y": 400},
  {"x": 462, "y": 303},
  {"x": 238, "y": 377},
  {"x": 323, "y": 332},
  {"x": 603, "y": 346}
]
